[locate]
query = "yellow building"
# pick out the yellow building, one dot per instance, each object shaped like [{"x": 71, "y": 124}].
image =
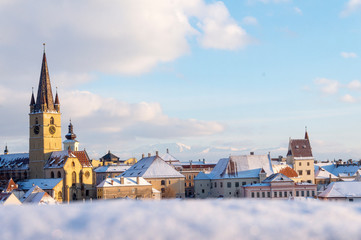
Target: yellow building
[
  {"x": 76, "y": 171},
  {"x": 44, "y": 124},
  {"x": 300, "y": 157},
  {"x": 160, "y": 174},
  {"x": 134, "y": 188}
]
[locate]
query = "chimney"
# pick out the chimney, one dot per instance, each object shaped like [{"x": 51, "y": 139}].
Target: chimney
[
  {"x": 190, "y": 164},
  {"x": 148, "y": 154},
  {"x": 111, "y": 182},
  {"x": 204, "y": 161},
  {"x": 121, "y": 180},
  {"x": 251, "y": 153},
  {"x": 167, "y": 150},
  {"x": 138, "y": 180},
  {"x": 156, "y": 153},
  {"x": 142, "y": 155}
]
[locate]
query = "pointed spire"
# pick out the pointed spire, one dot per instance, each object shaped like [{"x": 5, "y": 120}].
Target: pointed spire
[
  {"x": 32, "y": 101},
  {"x": 306, "y": 134},
  {"x": 44, "y": 99},
  {"x": 57, "y": 103}
]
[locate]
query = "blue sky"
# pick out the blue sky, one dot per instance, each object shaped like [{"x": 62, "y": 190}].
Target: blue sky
[{"x": 230, "y": 76}]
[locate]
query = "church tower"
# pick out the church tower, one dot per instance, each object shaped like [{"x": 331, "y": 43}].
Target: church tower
[
  {"x": 71, "y": 141},
  {"x": 45, "y": 124}
]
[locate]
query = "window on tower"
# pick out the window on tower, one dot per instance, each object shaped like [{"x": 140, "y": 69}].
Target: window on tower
[{"x": 51, "y": 120}]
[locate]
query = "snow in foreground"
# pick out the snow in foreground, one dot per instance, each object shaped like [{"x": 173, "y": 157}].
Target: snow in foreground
[{"x": 174, "y": 219}]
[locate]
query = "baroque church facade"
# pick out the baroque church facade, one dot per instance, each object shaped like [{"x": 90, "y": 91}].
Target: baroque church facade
[{"x": 46, "y": 158}]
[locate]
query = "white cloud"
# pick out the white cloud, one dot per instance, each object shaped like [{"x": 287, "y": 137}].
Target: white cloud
[
  {"x": 249, "y": 20},
  {"x": 351, "y": 6},
  {"x": 348, "y": 98},
  {"x": 298, "y": 10},
  {"x": 219, "y": 30},
  {"x": 127, "y": 37},
  {"x": 348, "y": 55},
  {"x": 328, "y": 86},
  {"x": 143, "y": 119},
  {"x": 354, "y": 85}
]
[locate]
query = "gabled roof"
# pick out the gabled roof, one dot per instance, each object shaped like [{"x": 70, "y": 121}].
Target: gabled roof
[
  {"x": 43, "y": 183},
  {"x": 36, "y": 195},
  {"x": 277, "y": 177},
  {"x": 300, "y": 148},
  {"x": 321, "y": 173},
  {"x": 19, "y": 161},
  {"x": 10, "y": 186},
  {"x": 152, "y": 167},
  {"x": 8, "y": 198},
  {"x": 109, "y": 157},
  {"x": 235, "y": 165},
  {"x": 57, "y": 159},
  {"x": 202, "y": 176},
  {"x": 342, "y": 190}
]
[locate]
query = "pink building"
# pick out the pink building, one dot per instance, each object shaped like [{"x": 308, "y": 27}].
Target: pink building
[{"x": 278, "y": 186}]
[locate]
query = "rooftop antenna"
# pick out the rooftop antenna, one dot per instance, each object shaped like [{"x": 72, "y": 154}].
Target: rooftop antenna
[{"x": 44, "y": 47}]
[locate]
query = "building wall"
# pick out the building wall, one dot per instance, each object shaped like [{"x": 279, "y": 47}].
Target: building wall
[
  {"x": 305, "y": 170},
  {"x": 280, "y": 191},
  {"x": 189, "y": 181},
  {"x": 227, "y": 188},
  {"x": 42, "y": 144},
  {"x": 133, "y": 191},
  {"x": 169, "y": 187}
]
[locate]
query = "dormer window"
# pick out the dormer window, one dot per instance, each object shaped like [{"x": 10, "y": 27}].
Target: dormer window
[
  {"x": 297, "y": 147},
  {"x": 304, "y": 146}
]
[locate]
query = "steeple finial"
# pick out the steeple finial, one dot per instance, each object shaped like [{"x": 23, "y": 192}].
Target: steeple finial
[
  {"x": 44, "y": 47},
  {"x": 70, "y": 135},
  {"x": 306, "y": 134}
]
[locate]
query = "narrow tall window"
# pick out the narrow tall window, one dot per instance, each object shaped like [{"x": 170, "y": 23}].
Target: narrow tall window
[
  {"x": 51, "y": 120},
  {"x": 73, "y": 178},
  {"x": 59, "y": 174},
  {"x": 162, "y": 182},
  {"x": 52, "y": 174}
]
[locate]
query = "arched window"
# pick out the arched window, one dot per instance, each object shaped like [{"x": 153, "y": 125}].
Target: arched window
[
  {"x": 59, "y": 174},
  {"x": 52, "y": 174},
  {"x": 73, "y": 164},
  {"x": 162, "y": 182},
  {"x": 73, "y": 178},
  {"x": 60, "y": 195},
  {"x": 51, "y": 120}
]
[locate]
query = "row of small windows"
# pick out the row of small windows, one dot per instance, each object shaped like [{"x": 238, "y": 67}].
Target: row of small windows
[
  {"x": 300, "y": 164},
  {"x": 229, "y": 184},
  {"x": 307, "y": 171},
  {"x": 52, "y": 174},
  {"x": 281, "y": 194},
  {"x": 51, "y": 121}
]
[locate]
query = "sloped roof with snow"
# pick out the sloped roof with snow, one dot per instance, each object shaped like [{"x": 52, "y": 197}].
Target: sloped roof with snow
[
  {"x": 57, "y": 159},
  {"x": 112, "y": 169},
  {"x": 152, "y": 167},
  {"x": 277, "y": 177},
  {"x": 321, "y": 173},
  {"x": 342, "y": 190},
  {"x": 234, "y": 165},
  {"x": 43, "y": 183},
  {"x": 18, "y": 161},
  {"x": 342, "y": 170},
  {"x": 36, "y": 195},
  {"x": 128, "y": 181},
  {"x": 202, "y": 176}
]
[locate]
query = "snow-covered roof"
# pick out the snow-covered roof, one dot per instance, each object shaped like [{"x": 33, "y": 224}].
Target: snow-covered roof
[
  {"x": 18, "y": 161},
  {"x": 112, "y": 169},
  {"x": 128, "y": 181},
  {"x": 342, "y": 190},
  {"x": 277, "y": 177},
  {"x": 43, "y": 183},
  {"x": 321, "y": 173},
  {"x": 168, "y": 157},
  {"x": 232, "y": 166},
  {"x": 342, "y": 170},
  {"x": 36, "y": 195},
  {"x": 152, "y": 167},
  {"x": 57, "y": 159},
  {"x": 202, "y": 176}
]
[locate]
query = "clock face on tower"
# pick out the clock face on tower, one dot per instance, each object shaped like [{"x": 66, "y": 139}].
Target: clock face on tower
[
  {"x": 36, "y": 129},
  {"x": 52, "y": 129}
]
